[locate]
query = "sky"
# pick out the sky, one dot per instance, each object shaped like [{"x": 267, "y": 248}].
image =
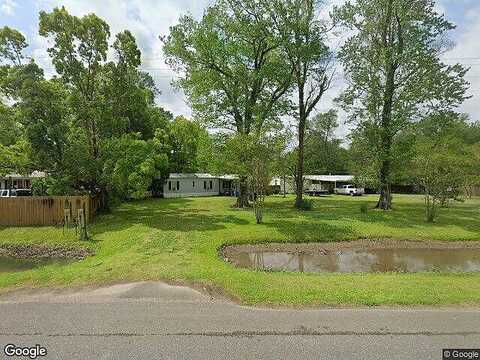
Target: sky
[{"x": 149, "y": 19}]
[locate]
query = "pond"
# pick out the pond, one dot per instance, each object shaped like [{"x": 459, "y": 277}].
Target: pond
[
  {"x": 360, "y": 260},
  {"x": 10, "y": 264}
]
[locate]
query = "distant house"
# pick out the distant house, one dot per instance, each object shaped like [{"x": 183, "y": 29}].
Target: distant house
[
  {"x": 197, "y": 184},
  {"x": 326, "y": 183},
  {"x": 200, "y": 184},
  {"x": 275, "y": 186},
  {"x": 18, "y": 181}
]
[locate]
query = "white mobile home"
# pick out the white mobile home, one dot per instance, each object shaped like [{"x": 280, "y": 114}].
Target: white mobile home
[
  {"x": 187, "y": 185},
  {"x": 200, "y": 184},
  {"x": 193, "y": 185},
  {"x": 19, "y": 181}
]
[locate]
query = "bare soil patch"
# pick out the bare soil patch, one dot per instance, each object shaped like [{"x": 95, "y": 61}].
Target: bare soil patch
[{"x": 42, "y": 252}]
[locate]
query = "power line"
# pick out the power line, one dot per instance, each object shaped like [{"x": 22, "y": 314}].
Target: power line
[
  {"x": 462, "y": 58},
  {"x": 161, "y": 58}
]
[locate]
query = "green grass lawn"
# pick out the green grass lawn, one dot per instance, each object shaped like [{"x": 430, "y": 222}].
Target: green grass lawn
[{"x": 178, "y": 240}]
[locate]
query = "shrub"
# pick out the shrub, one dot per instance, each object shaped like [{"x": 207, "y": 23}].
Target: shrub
[
  {"x": 52, "y": 186},
  {"x": 306, "y": 205},
  {"x": 364, "y": 208},
  {"x": 39, "y": 187}
]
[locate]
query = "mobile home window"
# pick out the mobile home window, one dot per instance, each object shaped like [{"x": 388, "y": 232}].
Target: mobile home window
[
  {"x": 169, "y": 185},
  {"x": 211, "y": 185},
  {"x": 205, "y": 185},
  {"x": 178, "y": 185},
  {"x": 193, "y": 183}
]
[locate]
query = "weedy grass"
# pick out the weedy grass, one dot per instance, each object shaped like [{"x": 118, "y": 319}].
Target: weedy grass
[{"x": 178, "y": 240}]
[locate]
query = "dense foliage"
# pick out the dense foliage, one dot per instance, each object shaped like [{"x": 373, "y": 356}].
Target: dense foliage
[
  {"x": 254, "y": 72},
  {"x": 95, "y": 127},
  {"x": 394, "y": 74}
]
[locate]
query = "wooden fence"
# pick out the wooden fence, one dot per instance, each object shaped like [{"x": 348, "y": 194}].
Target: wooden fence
[{"x": 45, "y": 210}]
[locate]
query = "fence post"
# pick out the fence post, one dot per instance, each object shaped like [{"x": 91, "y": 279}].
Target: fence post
[{"x": 82, "y": 222}]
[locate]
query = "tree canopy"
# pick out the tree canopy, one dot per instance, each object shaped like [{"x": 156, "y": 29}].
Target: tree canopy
[
  {"x": 254, "y": 72},
  {"x": 394, "y": 74},
  {"x": 94, "y": 127}
]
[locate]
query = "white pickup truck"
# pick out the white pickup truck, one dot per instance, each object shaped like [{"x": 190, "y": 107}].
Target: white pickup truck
[{"x": 351, "y": 190}]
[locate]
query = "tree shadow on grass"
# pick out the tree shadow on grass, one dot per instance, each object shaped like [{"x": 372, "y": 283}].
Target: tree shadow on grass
[
  {"x": 166, "y": 215},
  {"x": 302, "y": 231},
  {"x": 411, "y": 216},
  {"x": 403, "y": 215}
]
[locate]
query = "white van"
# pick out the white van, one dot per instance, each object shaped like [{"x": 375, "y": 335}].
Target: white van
[{"x": 350, "y": 190}]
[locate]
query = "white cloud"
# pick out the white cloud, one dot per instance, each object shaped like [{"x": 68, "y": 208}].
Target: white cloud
[
  {"x": 467, "y": 52},
  {"x": 7, "y": 7},
  {"x": 440, "y": 8},
  {"x": 146, "y": 19}
]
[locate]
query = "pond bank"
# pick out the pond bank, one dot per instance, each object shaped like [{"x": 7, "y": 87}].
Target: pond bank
[
  {"x": 359, "y": 257},
  {"x": 42, "y": 252},
  {"x": 323, "y": 247}
]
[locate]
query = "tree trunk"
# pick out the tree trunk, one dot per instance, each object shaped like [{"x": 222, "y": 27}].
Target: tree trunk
[
  {"x": 242, "y": 199},
  {"x": 104, "y": 200},
  {"x": 386, "y": 133},
  {"x": 258, "y": 214},
  {"x": 82, "y": 223},
  {"x": 302, "y": 118},
  {"x": 385, "y": 200},
  {"x": 468, "y": 191},
  {"x": 430, "y": 208}
]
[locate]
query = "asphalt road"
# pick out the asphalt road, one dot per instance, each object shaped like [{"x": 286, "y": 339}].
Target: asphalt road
[{"x": 157, "y": 321}]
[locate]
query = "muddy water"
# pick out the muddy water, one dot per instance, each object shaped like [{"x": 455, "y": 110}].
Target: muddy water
[
  {"x": 9, "y": 264},
  {"x": 362, "y": 260}
]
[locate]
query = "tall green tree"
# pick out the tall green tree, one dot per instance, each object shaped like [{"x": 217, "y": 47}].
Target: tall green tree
[
  {"x": 472, "y": 185},
  {"x": 10, "y": 129},
  {"x": 263, "y": 150},
  {"x": 128, "y": 93},
  {"x": 78, "y": 53},
  {"x": 456, "y": 131},
  {"x": 323, "y": 151},
  {"x": 111, "y": 108},
  {"x": 131, "y": 164},
  {"x": 232, "y": 68},
  {"x": 14, "y": 150},
  {"x": 12, "y": 44},
  {"x": 184, "y": 137},
  {"x": 440, "y": 166},
  {"x": 15, "y": 158},
  {"x": 303, "y": 37},
  {"x": 394, "y": 73},
  {"x": 46, "y": 116}
]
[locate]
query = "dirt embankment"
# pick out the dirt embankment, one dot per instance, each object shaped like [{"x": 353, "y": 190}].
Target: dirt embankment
[
  {"x": 325, "y": 247},
  {"x": 42, "y": 252}
]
